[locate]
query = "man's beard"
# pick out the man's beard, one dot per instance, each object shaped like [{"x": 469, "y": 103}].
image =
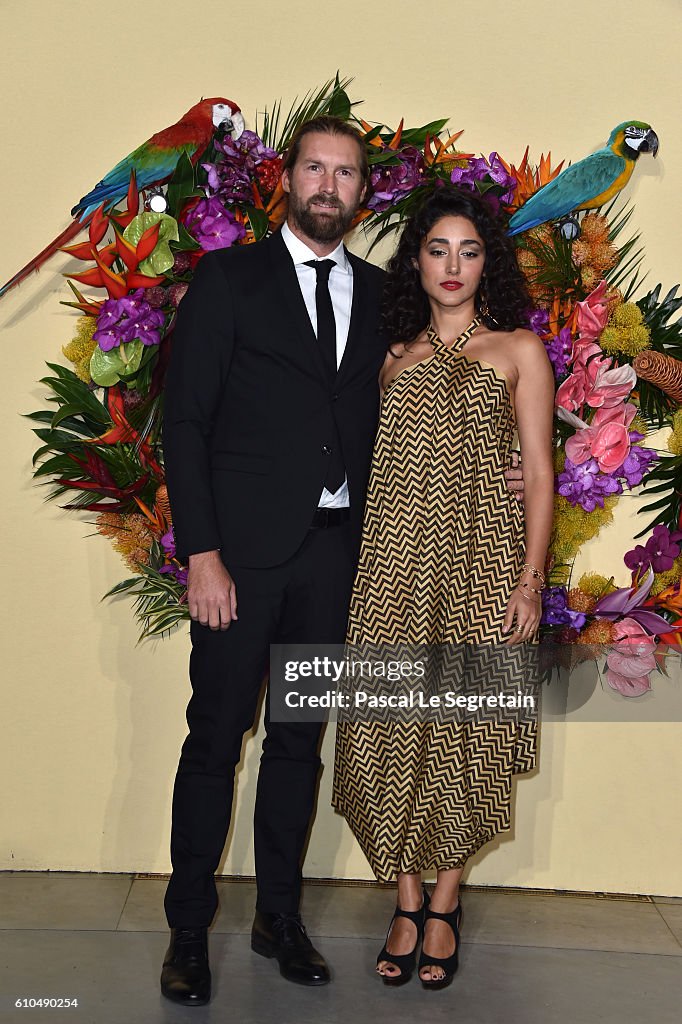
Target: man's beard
[{"x": 321, "y": 227}]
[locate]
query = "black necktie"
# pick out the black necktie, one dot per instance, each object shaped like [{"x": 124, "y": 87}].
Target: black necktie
[
  {"x": 326, "y": 324},
  {"x": 326, "y": 340}
]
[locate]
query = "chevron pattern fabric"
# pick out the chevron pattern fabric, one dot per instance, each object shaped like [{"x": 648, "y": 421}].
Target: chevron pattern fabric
[{"x": 442, "y": 549}]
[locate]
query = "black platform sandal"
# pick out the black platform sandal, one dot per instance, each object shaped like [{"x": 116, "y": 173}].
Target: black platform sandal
[
  {"x": 405, "y": 962},
  {"x": 449, "y": 963}
]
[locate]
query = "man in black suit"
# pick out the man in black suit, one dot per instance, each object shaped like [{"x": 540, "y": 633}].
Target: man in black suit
[{"x": 271, "y": 411}]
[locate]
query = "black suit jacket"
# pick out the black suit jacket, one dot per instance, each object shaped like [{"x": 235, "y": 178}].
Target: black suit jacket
[{"x": 249, "y": 411}]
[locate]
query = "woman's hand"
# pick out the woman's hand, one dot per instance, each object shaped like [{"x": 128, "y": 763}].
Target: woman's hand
[{"x": 523, "y": 614}]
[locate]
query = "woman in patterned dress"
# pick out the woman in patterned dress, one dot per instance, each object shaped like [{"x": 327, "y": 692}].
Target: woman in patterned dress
[{"x": 446, "y": 558}]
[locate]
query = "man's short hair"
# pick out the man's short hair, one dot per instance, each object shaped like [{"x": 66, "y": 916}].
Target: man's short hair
[{"x": 325, "y": 124}]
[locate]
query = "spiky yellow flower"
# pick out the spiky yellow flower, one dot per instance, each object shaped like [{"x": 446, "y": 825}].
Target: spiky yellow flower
[
  {"x": 663, "y": 580},
  {"x": 79, "y": 350},
  {"x": 579, "y": 601},
  {"x": 639, "y": 424},
  {"x": 131, "y": 536},
  {"x": 573, "y": 526},
  {"x": 595, "y": 585},
  {"x": 614, "y": 298},
  {"x": 593, "y": 252},
  {"x": 600, "y": 632},
  {"x": 532, "y": 264},
  {"x": 625, "y": 331},
  {"x": 675, "y": 439},
  {"x": 450, "y": 162},
  {"x": 594, "y": 228}
]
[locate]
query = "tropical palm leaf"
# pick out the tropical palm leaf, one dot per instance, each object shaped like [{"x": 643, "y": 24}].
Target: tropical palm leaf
[
  {"x": 159, "y": 604},
  {"x": 330, "y": 98}
]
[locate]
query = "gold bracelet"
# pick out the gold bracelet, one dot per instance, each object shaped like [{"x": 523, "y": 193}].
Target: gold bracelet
[
  {"x": 533, "y": 571},
  {"x": 533, "y": 589}
]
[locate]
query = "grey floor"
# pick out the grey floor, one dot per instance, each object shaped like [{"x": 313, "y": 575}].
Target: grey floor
[{"x": 525, "y": 958}]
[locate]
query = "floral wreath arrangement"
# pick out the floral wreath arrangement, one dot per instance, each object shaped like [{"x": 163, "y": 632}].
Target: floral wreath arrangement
[{"x": 208, "y": 183}]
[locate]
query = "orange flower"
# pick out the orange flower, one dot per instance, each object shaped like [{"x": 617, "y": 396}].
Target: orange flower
[{"x": 528, "y": 179}]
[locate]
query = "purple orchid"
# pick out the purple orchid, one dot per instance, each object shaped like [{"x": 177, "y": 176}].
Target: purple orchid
[
  {"x": 108, "y": 333},
  {"x": 659, "y": 552},
  {"x": 179, "y": 572},
  {"x": 213, "y": 225},
  {"x": 585, "y": 485},
  {"x": 228, "y": 182},
  {"x": 637, "y": 462},
  {"x": 229, "y": 177},
  {"x": 127, "y": 319},
  {"x": 481, "y": 172},
  {"x": 393, "y": 181},
  {"x": 555, "y": 610},
  {"x": 248, "y": 150},
  {"x": 134, "y": 303},
  {"x": 559, "y": 350},
  {"x": 538, "y": 322},
  {"x": 145, "y": 326}
]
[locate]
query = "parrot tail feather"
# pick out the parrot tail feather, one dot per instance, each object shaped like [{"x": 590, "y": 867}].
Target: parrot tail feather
[{"x": 63, "y": 239}]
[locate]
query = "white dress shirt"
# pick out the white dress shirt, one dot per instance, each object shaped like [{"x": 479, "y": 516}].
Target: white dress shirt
[{"x": 341, "y": 292}]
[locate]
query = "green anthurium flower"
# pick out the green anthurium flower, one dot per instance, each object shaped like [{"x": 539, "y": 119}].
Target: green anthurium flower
[
  {"x": 161, "y": 259},
  {"x": 106, "y": 367}
]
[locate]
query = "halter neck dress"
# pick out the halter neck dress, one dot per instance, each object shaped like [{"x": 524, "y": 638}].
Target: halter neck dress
[{"x": 442, "y": 550}]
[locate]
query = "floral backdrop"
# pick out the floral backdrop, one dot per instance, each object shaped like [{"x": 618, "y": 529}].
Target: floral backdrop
[{"x": 617, "y": 360}]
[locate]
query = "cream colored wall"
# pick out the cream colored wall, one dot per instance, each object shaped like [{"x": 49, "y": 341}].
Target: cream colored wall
[{"x": 91, "y": 724}]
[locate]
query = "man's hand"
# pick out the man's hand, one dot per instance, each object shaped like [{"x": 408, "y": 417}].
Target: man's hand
[
  {"x": 211, "y": 592},
  {"x": 514, "y": 477}
]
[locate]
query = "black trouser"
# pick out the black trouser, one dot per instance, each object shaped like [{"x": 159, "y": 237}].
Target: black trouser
[{"x": 305, "y": 600}]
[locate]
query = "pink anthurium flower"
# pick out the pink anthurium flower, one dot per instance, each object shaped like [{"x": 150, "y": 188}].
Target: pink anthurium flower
[
  {"x": 571, "y": 393},
  {"x": 632, "y": 659},
  {"x": 610, "y": 446},
  {"x": 583, "y": 350},
  {"x": 606, "y": 439},
  {"x": 593, "y": 313},
  {"x": 609, "y": 386},
  {"x": 626, "y": 685}
]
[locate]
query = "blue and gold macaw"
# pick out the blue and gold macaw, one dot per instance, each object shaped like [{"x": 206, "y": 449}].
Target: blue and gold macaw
[{"x": 591, "y": 182}]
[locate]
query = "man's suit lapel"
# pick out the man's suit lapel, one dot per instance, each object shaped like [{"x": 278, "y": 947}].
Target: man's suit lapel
[
  {"x": 287, "y": 282},
  {"x": 358, "y": 308}
]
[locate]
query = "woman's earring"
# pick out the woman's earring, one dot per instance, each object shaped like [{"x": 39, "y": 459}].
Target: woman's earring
[{"x": 484, "y": 309}]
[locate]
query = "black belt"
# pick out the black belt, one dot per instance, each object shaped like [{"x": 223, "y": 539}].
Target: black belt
[{"x": 325, "y": 518}]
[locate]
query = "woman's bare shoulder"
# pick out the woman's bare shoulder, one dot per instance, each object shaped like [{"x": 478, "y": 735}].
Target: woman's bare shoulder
[{"x": 521, "y": 344}]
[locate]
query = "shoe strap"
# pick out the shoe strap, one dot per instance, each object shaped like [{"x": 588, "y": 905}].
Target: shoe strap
[
  {"x": 451, "y": 918},
  {"x": 415, "y": 916}
]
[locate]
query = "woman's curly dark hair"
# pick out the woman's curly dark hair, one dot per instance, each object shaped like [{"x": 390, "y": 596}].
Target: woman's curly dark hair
[{"x": 406, "y": 311}]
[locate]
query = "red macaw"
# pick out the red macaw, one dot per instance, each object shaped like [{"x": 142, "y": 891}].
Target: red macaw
[{"x": 152, "y": 163}]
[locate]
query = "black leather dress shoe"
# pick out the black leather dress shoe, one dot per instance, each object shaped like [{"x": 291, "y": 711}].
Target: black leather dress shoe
[
  {"x": 185, "y": 977},
  {"x": 284, "y": 937}
]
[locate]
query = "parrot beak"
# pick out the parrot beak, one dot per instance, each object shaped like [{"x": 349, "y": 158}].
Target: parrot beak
[{"x": 650, "y": 144}]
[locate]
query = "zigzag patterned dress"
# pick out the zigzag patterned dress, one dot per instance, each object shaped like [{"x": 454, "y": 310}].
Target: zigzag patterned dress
[{"x": 442, "y": 549}]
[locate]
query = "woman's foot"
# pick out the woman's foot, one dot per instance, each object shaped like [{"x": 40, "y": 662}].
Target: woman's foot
[
  {"x": 439, "y": 956},
  {"x": 403, "y": 937}
]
